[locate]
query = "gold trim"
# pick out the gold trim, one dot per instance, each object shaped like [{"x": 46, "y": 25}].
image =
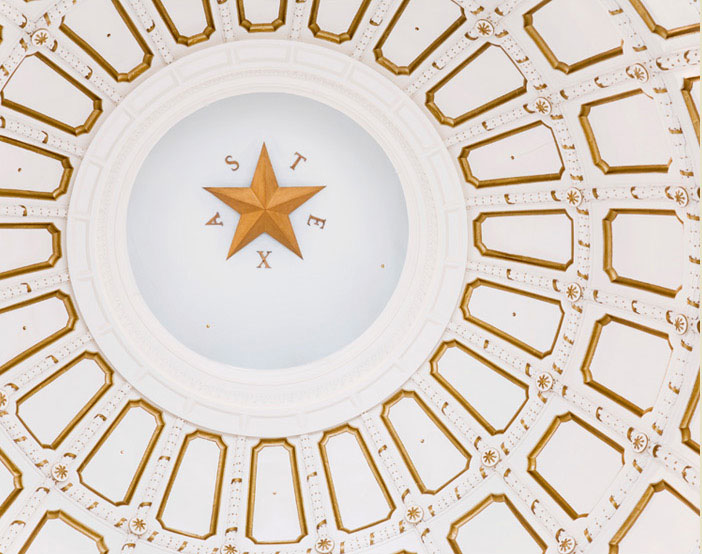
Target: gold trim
[
  {"x": 70, "y": 324},
  {"x": 385, "y": 416},
  {"x": 639, "y": 508},
  {"x": 687, "y": 417},
  {"x": 71, "y": 425},
  {"x": 470, "y": 287},
  {"x": 531, "y": 457},
  {"x": 202, "y": 36},
  {"x": 609, "y": 252},
  {"x": 131, "y": 489},
  {"x": 690, "y": 103},
  {"x": 595, "y": 149},
  {"x": 283, "y": 443},
  {"x": 658, "y": 29},
  {"x": 551, "y": 57},
  {"x": 503, "y": 98},
  {"x": 81, "y": 129},
  {"x": 262, "y": 27},
  {"x": 55, "y": 248},
  {"x": 71, "y": 522},
  {"x": 408, "y": 69},
  {"x": 340, "y": 430},
  {"x": 485, "y": 251},
  {"x": 204, "y": 435},
  {"x": 102, "y": 62},
  {"x": 65, "y": 176},
  {"x": 16, "y": 481},
  {"x": 519, "y": 179},
  {"x": 590, "y": 354},
  {"x": 490, "y": 499},
  {"x": 434, "y": 371},
  {"x": 337, "y": 38}
]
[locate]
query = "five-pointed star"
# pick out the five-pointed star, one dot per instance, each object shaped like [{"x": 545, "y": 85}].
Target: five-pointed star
[{"x": 264, "y": 207}]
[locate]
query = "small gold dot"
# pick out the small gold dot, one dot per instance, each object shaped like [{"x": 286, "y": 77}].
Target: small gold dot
[
  {"x": 382, "y": 266},
  {"x": 208, "y": 325}
]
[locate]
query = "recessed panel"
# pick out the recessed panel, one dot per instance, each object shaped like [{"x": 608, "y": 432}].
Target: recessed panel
[
  {"x": 189, "y": 21},
  {"x": 71, "y": 392},
  {"x": 626, "y": 135},
  {"x": 190, "y": 505},
  {"x": 359, "y": 495},
  {"x": 336, "y": 20},
  {"x": 29, "y": 171},
  {"x": 644, "y": 249},
  {"x": 490, "y": 394},
  {"x": 575, "y": 464},
  {"x": 485, "y": 80},
  {"x": 28, "y": 247},
  {"x": 61, "y": 102},
  {"x": 510, "y": 313},
  {"x": 417, "y": 29},
  {"x": 548, "y": 244},
  {"x": 627, "y": 362},
  {"x": 275, "y": 509},
  {"x": 591, "y": 36},
  {"x": 522, "y": 155},
  {"x": 419, "y": 435},
  {"x": 106, "y": 32},
  {"x": 116, "y": 463},
  {"x": 30, "y": 325},
  {"x": 494, "y": 526}
]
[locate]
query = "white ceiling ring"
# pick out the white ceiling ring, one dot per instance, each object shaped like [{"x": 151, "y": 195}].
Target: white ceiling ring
[{"x": 277, "y": 402}]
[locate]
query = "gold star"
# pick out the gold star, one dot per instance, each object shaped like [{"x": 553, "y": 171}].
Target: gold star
[{"x": 264, "y": 207}]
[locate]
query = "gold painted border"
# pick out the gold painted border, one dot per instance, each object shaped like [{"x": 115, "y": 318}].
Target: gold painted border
[
  {"x": 690, "y": 103},
  {"x": 609, "y": 252},
  {"x": 108, "y": 373},
  {"x": 102, "y": 62},
  {"x": 217, "y": 488},
  {"x": 55, "y": 247},
  {"x": 408, "y": 69},
  {"x": 70, "y": 324},
  {"x": 491, "y": 499},
  {"x": 202, "y": 36},
  {"x": 16, "y": 481},
  {"x": 639, "y": 508},
  {"x": 540, "y": 445},
  {"x": 503, "y": 98},
  {"x": 485, "y": 251},
  {"x": 551, "y": 57},
  {"x": 71, "y": 522},
  {"x": 264, "y": 443},
  {"x": 385, "y": 416},
  {"x": 519, "y": 179},
  {"x": 597, "y": 159},
  {"x": 590, "y": 354},
  {"x": 443, "y": 381},
  {"x": 687, "y": 417},
  {"x": 131, "y": 489},
  {"x": 340, "y": 430},
  {"x": 262, "y": 27},
  {"x": 337, "y": 38},
  {"x": 81, "y": 129},
  {"x": 658, "y": 29},
  {"x": 470, "y": 287},
  {"x": 65, "y": 176}
]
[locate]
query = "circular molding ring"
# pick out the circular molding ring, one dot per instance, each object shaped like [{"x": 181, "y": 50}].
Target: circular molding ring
[{"x": 276, "y": 402}]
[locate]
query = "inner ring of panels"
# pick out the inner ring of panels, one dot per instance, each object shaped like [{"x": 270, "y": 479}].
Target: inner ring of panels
[{"x": 560, "y": 412}]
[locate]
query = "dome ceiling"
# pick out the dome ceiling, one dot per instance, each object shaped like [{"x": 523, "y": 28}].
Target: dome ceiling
[{"x": 532, "y": 385}]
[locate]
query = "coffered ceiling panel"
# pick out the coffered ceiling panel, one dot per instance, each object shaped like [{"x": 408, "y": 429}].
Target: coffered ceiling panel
[{"x": 506, "y": 195}]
